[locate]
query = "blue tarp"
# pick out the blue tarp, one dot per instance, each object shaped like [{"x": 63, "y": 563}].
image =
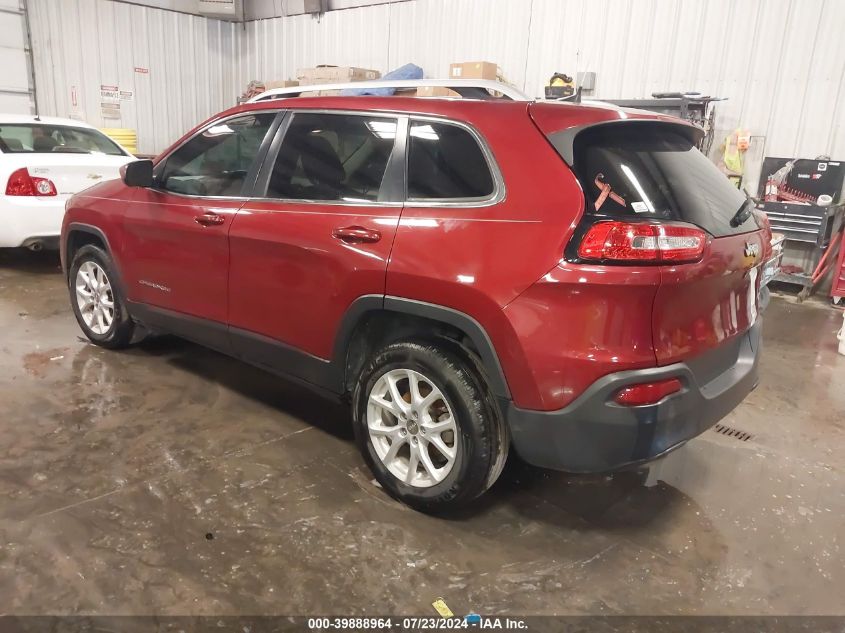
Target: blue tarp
[{"x": 408, "y": 71}]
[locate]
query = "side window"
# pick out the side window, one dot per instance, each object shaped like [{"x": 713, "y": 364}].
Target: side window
[
  {"x": 215, "y": 162},
  {"x": 445, "y": 162},
  {"x": 332, "y": 157}
]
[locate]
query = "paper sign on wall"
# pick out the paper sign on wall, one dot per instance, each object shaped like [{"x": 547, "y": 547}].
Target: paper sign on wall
[
  {"x": 110, "y": 110},
  {"x": 109, "y": 93},
  {"x": 127, "y": 95}
]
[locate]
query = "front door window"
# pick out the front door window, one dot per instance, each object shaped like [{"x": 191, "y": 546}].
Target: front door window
[{"x": 215, "y": 162}]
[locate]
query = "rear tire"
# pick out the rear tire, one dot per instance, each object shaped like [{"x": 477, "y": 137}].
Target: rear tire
[
  {"x": 425, "y": 425},
  {"x": 98, "y": 303}
]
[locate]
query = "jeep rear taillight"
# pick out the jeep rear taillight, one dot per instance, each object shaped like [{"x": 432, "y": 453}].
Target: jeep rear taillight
[
  {"x": 22, "y": 184},
  {"x": 642, "y": 242}
]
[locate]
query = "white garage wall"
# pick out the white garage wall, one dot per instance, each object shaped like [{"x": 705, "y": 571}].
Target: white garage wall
[
  {"x": 275, "y": 48},
  {"x": 15, "y": 89},
  {"x": 779, "y": 62},
  {"x": 80, "y": 45}
]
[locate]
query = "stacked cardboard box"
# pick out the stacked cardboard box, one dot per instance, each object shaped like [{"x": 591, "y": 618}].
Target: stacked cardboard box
[
  {"x": 473, "y": 70},
  {"x": 435, "y": 91},
  {"x": 320, "y": 93},
  {"x": 282, "y": 83},
  {"x": 334, "y": 75}
]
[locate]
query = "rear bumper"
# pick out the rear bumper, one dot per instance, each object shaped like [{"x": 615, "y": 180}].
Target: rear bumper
[
  {"x": 26, "y": 219},
  {"x": 594, "y": 434}
]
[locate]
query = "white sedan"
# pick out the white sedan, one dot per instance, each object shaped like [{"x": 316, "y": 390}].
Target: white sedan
[{"x": 43, "y": 161}]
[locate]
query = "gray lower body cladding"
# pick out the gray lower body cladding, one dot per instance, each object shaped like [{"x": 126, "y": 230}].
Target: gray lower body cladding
[{"x": 594, "y": 434}]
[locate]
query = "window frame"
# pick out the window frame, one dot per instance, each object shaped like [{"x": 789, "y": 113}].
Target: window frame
[
  {"x": 499, "y": 191},
  {"x": 392, "y": 191},
  {"x": 252, "y": 174}
]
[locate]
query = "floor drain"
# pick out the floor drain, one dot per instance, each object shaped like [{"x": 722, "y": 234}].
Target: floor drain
[{"x": 729, "y": 431}]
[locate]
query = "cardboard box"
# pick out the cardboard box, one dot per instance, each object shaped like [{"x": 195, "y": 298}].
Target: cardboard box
[
  {"x": 435, "y": 91},
  {"x": 473, "y": 70},
  {"x": 334, "y": 74},
  {"x": 321, "y": 93},
  {"x": 283, "y": 83}
]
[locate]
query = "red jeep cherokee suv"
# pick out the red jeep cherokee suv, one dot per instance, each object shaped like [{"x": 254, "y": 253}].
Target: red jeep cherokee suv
[{"x": 577, "y": 282}]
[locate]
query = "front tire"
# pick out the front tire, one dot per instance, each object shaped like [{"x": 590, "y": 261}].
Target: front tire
[
  {"x": 427, "y": 427},
  {"x": 98, "y": 305}
]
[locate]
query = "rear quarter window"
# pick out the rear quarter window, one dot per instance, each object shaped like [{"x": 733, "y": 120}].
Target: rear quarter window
[{"x": 445, "y": 162}]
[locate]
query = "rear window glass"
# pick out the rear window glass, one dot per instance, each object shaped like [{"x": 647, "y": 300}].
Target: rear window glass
[
  {"x": 55, "y": 139},
  {"x": 446, "y": 162},
  {"x": 655, "y": 172}
]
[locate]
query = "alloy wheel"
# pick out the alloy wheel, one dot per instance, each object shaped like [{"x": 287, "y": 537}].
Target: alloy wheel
[
  {"x": 94, "y": 297},
  {"x": 412, "y": 428}
]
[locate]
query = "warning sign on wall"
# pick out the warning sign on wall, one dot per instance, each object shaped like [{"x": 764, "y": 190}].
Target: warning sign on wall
[{"x": 109, "y": 93}]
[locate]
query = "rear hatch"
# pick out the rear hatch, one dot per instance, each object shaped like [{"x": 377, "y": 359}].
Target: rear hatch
[
  {"x": 647, "y": 177},
  {"x": 71, "y": 172}
]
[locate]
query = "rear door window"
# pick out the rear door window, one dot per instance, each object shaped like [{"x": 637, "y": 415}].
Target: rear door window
[
  {"x": 656, "y": 172},
  {"x": 327, "y": 156},
  {"x": 445, "y": 162}
]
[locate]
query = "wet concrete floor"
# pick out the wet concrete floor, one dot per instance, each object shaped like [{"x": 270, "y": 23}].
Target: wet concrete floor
[{"x": 169, "y": 479}]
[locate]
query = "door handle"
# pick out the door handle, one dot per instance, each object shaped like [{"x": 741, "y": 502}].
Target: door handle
[
  {"x": 209, "y": 219},
  {"x": 356, "y": 235}
]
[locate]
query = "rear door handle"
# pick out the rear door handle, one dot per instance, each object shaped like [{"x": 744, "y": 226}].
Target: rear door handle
[
  {"x": 209, "y": 219},
  {"x": 356, "y": 235}
]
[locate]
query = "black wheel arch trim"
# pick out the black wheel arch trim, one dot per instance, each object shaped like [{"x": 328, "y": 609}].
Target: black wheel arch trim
[
  {"x": 81, "y": 227},
  {"x": 434, "y": 312}
]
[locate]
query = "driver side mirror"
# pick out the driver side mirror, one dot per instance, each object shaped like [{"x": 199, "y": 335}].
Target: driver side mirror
[{"x": 138, "y": 173}]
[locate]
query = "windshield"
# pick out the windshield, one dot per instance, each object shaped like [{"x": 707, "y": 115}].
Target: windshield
[
  {"x": 656, "y": 172},
  {"x": 35, "y": 138}
]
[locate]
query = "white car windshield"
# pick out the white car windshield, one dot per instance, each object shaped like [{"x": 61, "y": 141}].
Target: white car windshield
[{"x": 28, "y": 138}]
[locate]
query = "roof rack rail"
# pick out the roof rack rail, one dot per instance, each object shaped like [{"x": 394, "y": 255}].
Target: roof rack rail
[{"x": 467, "y": 88}]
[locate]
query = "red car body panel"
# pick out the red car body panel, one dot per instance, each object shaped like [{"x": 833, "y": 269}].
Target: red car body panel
[
  {"x": 579, "y": 323},
  {"x": 479, "y": 259},
  {"x": 554, "y": 117},
  {"x": 273, "y": 268},
  {"x": 702, "y": 305},
  {"x": 292, "y": 281},
  {"x": 170, "y": 260}
]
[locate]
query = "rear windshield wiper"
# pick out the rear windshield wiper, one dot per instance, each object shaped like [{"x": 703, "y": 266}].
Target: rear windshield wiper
[{"x": 744, "y": 211}]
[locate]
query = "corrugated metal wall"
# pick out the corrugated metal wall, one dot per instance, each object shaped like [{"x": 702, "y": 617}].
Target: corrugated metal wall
[
  {"x": 780, "y": 63},
  {"x": 81, "y": 45},
  {"x": 15, "y": 88}
]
